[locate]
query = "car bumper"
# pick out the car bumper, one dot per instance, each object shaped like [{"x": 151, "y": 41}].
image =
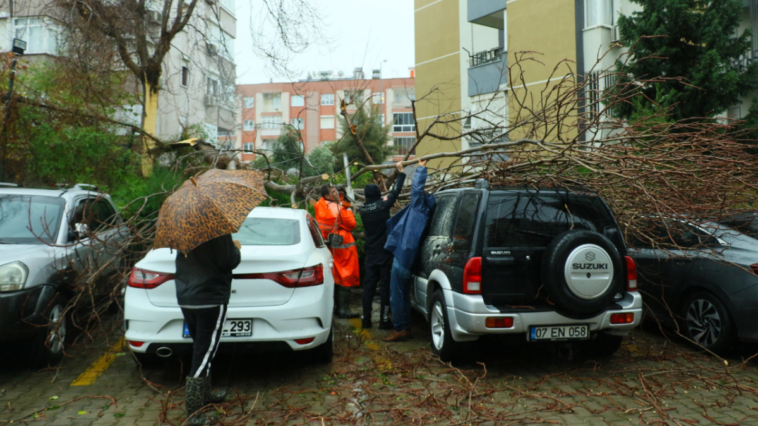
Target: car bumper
[
  {"x": 469, "y": 313},
  {"x": 307, "y": 314},
  {"x": 15, "y": 310}
]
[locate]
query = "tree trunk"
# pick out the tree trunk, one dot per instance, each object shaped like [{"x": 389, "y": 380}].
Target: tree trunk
[{"x": 149, "y": 121}]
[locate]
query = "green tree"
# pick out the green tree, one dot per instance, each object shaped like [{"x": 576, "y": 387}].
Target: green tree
[
  {"x": 691, "y": 39},
  {"x": 369, "y": 131},
  {"x": 288, "y": 152}
]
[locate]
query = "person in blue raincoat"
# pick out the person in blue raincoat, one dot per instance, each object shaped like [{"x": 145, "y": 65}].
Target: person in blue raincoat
[{"x": 403, "y": 239}]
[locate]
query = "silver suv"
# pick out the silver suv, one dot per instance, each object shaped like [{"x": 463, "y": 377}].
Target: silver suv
[
  {"x": 549, "y": 265},
  {"x": 48, "y": 237}
]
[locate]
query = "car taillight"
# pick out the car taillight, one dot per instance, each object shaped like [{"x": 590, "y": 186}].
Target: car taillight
[
  {"x": 631, "y": 274},
  {"x": 136, "y": 344},
  {"x": 472, "y": 276},
  {"x": 495, "y": 322},
  {"x": 304, "y": 341},
  {"x": 305, "y": 277},
  {"x": 754, "y": 267},
  {"x": 141, "y": 278},
  {"x": 626, "y": 318}
]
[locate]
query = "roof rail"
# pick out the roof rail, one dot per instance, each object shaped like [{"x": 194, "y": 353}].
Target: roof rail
[
  {"x": 85, "y": 187},
  {"x": 456, "y": 184},
  {"x": 8, "y": 185}
]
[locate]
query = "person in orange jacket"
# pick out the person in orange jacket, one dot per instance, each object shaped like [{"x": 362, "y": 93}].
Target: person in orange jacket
[{"x": 334, "y": 218}]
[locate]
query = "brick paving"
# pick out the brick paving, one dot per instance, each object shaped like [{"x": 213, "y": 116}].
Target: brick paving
[{"x": 651, "y": 380}]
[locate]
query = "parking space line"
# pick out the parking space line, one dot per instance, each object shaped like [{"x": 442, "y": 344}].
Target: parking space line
[
  {"x": 98, "y": 367},
  {"x": 381, "y": 361}
]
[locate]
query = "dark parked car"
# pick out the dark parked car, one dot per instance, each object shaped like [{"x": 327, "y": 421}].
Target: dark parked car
[
  {"x": 702, "y": 276},
  {"x": 549, "y": 265}
]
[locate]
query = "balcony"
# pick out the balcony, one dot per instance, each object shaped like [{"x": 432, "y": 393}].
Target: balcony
[
  {"x": 487, "y": 12},
  {"x": 487, "y": 71}
]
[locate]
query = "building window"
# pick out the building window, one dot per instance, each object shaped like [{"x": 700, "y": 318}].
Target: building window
[
  {"x": 354, "y": 96},
  {"x": 298, "y": 123},
  {"x": 40, "y": 36},
  {"x": 185, "y": 76},
  {"x": 377, "y": 98},
  {"x": 403, "y": 122},
  {"x": 402, "y": 145},
  {"x": 268, "y": 145},
  {"x": 297, "y": 100},
  {"x": 271, "y": 122},
  {"x": 598, "y": 12},
  {"x": 248, "y": 147},
  {"x": 327, "y": 121},
  {"x": 248, "y": 125},
  {"x": 249, "y": 102},
  {"x": 327, "y": 99},
  {"x": 223, "y": 133},
  {"x": 212, "y": 86}
]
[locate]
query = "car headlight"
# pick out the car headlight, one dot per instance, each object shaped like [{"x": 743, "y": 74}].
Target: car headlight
[{"x": 13, "y": 276}]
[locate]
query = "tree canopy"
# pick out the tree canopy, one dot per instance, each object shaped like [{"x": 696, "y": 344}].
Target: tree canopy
[
  {"x": 690, "y": 48},
  {"x": 371, "y": 132}
]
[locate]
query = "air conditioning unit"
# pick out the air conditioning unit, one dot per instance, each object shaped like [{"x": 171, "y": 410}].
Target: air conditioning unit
[
  {"x": 615, "y": 34},
  {"x": 212, "y": 49},
  {"x": 154, "y": 17}
]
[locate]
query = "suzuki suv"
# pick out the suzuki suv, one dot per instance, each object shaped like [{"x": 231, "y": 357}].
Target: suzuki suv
[{"x": 547, "y": 264}]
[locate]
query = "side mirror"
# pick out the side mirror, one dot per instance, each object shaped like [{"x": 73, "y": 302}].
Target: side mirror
[{"x": 80, "y": 231}]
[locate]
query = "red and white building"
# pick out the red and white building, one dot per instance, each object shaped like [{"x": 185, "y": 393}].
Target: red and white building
[{"x": 313, "y": 106}]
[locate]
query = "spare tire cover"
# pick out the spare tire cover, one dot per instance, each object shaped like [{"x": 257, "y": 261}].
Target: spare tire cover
[{"x": 582, "y": 271}]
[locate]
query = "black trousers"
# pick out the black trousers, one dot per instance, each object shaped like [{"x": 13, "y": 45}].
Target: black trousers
[
  {"x": 205, "y": 326},
  {"x": 373, "y": 274}
]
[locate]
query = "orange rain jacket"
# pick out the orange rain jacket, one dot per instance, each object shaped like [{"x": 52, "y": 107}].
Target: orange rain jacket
[{"x": 333, "y": 218}]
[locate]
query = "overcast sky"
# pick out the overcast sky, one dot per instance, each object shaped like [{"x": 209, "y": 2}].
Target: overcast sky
[{"x": 361, "y": 33}]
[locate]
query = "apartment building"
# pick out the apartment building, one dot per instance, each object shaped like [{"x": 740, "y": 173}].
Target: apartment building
[
  {"x": 313, "y": 106},
  {"x": 198, "y": 80}
]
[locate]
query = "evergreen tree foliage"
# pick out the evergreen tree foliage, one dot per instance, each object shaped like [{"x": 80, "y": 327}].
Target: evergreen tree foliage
[
  {"x": 371, "y": 132},
  {"x": 694, "y": 39}
]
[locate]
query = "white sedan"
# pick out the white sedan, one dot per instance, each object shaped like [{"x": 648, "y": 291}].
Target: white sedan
[{"x": 282, "y": 291}]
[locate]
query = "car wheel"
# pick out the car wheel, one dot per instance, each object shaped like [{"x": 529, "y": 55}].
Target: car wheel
[
  {"x": 323, "y": 354},
  {"x": 604, "y": 345},
  {"x": 146, "y": 360},
  {"x": 49, "y": 342},
  {"x": 443, "y": 344},
  {"x": 707, "y": 322}
]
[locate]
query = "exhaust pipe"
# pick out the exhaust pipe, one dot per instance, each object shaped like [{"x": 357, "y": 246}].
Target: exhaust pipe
[{"x": 164, "y": 352}]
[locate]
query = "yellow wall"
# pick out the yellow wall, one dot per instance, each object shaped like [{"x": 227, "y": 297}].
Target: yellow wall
[
  {"x": 548, "y": 29},
  {"x": 438, "y": 70}
]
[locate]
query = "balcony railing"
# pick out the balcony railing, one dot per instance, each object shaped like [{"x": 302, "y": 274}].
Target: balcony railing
[
  {"x": 744, "y": 60},
  {"x": 485, "y": 57}
]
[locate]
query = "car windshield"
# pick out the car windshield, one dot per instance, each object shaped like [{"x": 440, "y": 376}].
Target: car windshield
[
  {"x": 28, "y": 219},
  {"x": 260, "y": 231},
  {"x": 747, "y": 225}
]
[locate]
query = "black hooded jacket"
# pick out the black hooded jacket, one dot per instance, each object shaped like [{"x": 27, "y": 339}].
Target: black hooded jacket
[
  {"x": 375, "y": 213},
  {"x": 204, "y": 276}
]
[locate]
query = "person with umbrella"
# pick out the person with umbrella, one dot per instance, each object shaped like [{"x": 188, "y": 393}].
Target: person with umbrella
[
  {"x": 334, "y": 219},
  {"x": 197, "y": 221}
]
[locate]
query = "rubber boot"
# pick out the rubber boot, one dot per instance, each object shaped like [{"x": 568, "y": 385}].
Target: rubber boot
[
  {"x": 384, "y": 320},
  {"x": 366, "y": 323},
  {"x": 196, "y": 394},
  {"x": 343, "y": 303},
  {"x": 214, "y": 395}
]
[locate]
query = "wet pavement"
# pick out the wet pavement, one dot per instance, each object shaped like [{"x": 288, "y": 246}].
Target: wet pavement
[{"x": 651, "y": 380}]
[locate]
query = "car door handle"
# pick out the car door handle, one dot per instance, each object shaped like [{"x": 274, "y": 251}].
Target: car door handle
[{"x": 436, "y": 250}]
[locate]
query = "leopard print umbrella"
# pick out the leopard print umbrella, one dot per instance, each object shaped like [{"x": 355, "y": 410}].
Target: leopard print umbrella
[{"x": 214, "y": 204}]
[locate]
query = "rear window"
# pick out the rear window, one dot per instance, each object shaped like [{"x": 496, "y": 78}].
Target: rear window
[
  {"x": 747, "y": 225},
  {"x": 530, "y": 220},
  {"x": 258, "y": 231}
]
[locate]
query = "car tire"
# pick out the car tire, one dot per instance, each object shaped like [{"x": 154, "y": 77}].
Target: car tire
[
  {"x": 48, "y": 344},
  {"x": 442, "y": 343},
  {"x": 554, "y": 271},
  {"x": 706, "y": 321},
  {"x": 323, "y": 354},
  {"x": 146, "y": 361},
  {"x": 604, "y": 345}
]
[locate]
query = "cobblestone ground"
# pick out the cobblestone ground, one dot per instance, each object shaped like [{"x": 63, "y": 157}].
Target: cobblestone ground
[{"x": 649, "y": 381}]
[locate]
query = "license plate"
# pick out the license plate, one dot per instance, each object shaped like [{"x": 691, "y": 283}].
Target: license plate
[
  {"x": 560, "y": 332},
  {"x": 232, "y": 328}
]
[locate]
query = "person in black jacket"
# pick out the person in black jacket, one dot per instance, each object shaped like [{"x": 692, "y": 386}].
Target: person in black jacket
[
  {"x": 203, "y": 286},
  {"x": 378, "y": 264}
]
